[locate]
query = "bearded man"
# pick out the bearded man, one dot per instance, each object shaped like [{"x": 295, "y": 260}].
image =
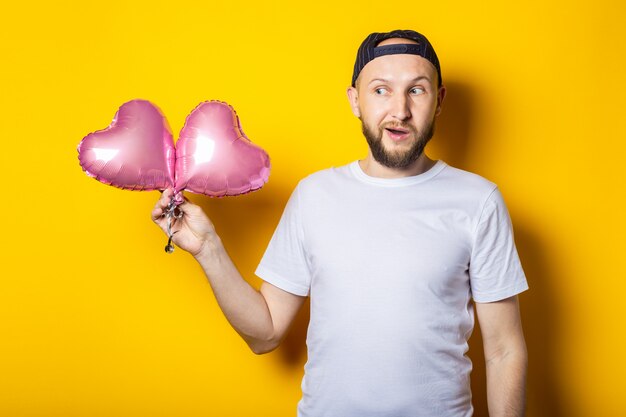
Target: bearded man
[{"x": 396, "y": 251}]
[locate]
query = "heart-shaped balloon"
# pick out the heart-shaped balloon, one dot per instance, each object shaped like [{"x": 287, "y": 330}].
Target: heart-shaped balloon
[
  {"x": 213, "y": 156},
  {"x": 136, "y": 151}
]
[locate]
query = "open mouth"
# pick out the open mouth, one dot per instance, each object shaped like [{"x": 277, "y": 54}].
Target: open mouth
[{"x": 397, "y": 133}]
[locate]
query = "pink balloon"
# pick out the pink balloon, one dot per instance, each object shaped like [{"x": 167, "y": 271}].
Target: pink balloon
[
  {"x": 214, "y": 156},
  {"x": 136, "y": 151}
]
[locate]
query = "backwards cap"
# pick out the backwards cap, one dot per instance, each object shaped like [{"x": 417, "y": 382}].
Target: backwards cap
[{"x": 369, "y": 50}]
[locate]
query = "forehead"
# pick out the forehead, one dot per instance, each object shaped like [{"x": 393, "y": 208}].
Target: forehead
[{"x": 398, "y": 68}]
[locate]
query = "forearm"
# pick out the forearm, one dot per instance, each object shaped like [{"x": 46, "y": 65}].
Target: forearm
[
  {"x": 244, "y": 307},
  {"x": 506, "y": 383}
]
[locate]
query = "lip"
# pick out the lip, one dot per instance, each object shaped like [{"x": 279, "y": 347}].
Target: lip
[{"x": 397, "y": 134}]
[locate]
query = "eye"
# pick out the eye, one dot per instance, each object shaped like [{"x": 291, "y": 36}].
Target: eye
[
  {"x": 380, "y": 91},
  {"x": 417, "y": 90}
]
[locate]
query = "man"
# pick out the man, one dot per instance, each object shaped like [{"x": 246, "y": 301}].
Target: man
[{"x": 395, "y": 251}]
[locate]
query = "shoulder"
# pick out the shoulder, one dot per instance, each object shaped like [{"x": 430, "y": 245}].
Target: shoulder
[
  {"x": 323, "y": 187},
  {"x": 466, "y": 190},
  {"x": 462, "y": 178},
  {"x": 467, "y": 184},
  {"x": 323, "y": 178}
]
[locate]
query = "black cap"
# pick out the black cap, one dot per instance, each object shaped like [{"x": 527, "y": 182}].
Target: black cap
[{"x": 369, "y": 49}]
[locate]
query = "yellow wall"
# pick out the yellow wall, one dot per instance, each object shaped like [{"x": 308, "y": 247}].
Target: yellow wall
[{"x": 96, "y": 320}]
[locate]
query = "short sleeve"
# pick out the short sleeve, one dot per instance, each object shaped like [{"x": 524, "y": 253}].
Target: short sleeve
[
  {"x": 284, "y": 262},
  {"x": 495, "y": 270}
]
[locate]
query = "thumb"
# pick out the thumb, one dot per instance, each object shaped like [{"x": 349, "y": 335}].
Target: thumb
[{"x": 196, "y": 218}]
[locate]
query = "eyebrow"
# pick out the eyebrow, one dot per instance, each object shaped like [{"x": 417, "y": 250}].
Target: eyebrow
[{"x": 421, "y": 77}]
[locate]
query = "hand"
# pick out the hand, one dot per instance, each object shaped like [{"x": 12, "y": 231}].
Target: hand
[{"x": 193, "y": 232}]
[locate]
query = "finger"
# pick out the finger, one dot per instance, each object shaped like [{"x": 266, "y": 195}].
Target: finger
[
  {"x": 160, "y": 206},
  {"x": 157, "y": 211},
  {"x": 190, "y": 208},
  {"x": 167, "y": 195},
  {"x": 164, "y": 201},
  {"x": 156, "y": 214}
]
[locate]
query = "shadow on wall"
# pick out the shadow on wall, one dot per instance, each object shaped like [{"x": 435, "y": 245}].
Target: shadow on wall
[
  {"x": 242, "y": 221},
  {"x": 540, "y": 326},
  {"x": 541, "y": 323},
  {"x": 453, "y": 128},
  {"x": 454, "y": 140}
]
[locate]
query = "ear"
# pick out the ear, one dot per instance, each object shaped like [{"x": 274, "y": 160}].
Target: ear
[
  {"x": 353, "y": 97},
  {"x": 441, "y": 94}
]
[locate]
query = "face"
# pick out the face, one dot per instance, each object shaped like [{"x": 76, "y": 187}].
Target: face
[{"x": 397, "y": 99}]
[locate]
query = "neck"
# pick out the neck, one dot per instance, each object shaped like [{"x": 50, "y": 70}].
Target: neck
[{"x": 374, "y": 169}]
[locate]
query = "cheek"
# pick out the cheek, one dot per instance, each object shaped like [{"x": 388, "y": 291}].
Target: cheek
[
  {"x": 424, "y": 112},
  {"x": 373, "y": 114}
]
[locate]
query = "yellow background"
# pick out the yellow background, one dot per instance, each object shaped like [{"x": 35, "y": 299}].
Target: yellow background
[{"x": 96, "y": 320}]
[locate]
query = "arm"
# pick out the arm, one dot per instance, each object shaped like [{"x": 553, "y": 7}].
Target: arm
[
  {"x": 263, "y": 317},
  {"x": 505, "y": 356}
]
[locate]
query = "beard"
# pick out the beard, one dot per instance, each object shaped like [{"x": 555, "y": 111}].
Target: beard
[{"x": 399, "y": 158}]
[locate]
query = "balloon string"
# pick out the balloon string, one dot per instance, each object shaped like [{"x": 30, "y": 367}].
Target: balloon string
[{"x": 172, "y": 213}]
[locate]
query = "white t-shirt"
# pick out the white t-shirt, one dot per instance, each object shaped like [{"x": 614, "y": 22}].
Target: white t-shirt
[{"x": 391, "y": 267}]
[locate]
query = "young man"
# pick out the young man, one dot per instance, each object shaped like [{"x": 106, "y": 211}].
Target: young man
[{"x": 395, "y": 251}]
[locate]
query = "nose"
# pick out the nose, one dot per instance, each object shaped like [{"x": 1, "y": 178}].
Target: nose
[{"x": 400, "y": 107}]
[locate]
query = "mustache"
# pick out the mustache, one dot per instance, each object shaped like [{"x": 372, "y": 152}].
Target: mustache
[{"x": 396, "y": 125}]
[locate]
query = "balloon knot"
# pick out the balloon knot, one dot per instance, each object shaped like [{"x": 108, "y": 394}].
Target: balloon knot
[{"x": 178, "y": 198}]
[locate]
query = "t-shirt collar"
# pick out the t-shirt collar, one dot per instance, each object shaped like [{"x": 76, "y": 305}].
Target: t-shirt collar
[{"x": 396, "y": 182}]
